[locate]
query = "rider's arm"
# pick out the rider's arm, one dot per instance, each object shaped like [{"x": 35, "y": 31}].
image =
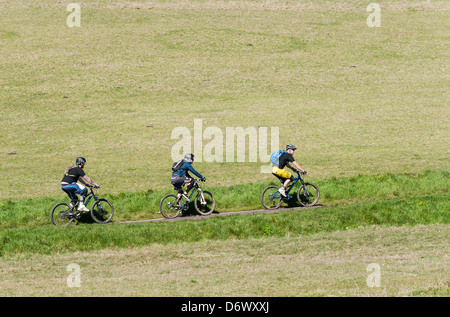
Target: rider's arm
[
  {"x": 86, "y": 179},
  {"x": 81, "y": 180},
  {"x": 297, "y": 166},
  {"x": 190, "y": 168}
]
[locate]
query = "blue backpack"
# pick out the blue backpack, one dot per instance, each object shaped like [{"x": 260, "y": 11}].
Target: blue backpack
[{"x": 275, "y": 157}]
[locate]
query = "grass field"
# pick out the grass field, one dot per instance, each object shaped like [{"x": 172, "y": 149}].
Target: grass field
[
  {"x": 48, "y": 239},
  {"x": 334, "y": 192},
  {"x": 367, "y": 107},
  {"x": 354, "y": 99},
  {"x": 411, "y": 259}
]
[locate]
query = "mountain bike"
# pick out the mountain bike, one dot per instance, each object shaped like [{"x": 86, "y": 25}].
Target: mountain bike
[
  {"x": 204, "y": 202},
  {"x": 101, "y": 211},
  {"x": 307, "y": 195}
]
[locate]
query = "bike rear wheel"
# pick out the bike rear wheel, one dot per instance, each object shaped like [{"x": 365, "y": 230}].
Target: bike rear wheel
[
  {"x": 60, "y": 215},
  {"x": 204, "y": 203},
  {"x": 271, "y": 197},
  {"x": 169, "y": 207},
  {"x": 308, "y": 195},
  {"x": 102, "y": 211}
]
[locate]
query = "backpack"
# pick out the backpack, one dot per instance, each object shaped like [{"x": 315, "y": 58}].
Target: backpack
[
  {"x": 275, "y": 157},
  {"x": 66, "y": 173},
  {"x": 177, "y": 165}
]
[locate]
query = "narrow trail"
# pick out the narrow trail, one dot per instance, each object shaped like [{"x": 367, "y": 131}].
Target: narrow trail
[{"x": 218, "y": 214}]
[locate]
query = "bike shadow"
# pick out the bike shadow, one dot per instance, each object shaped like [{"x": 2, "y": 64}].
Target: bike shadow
[
  {"x": 190, "y": 212},
  {"x": 290, "y": 204},
  {"x": 85, "y": 218}
]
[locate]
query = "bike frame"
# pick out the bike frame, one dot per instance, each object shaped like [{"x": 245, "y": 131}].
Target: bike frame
[
  {"x": 88, "y": 197},
  {"x": 194, "y": 190},
  {"x": 290, "y": 186}
]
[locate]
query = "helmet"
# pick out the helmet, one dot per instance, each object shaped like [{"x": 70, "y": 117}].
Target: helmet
[
  {"x": 189, "y": 156},
  {"x": 80, "y": 160},
  {"x": 291, "y": 147}
]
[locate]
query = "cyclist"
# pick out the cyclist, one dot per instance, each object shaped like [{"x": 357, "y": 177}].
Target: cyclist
[
  {"x": 181, "y": 176},
  {"x": 69, "y": 184},
  {"x": 281, "y": 173}
]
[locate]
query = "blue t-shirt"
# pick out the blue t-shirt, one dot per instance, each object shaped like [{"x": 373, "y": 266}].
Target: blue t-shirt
[{"x": 185, "y": 168}]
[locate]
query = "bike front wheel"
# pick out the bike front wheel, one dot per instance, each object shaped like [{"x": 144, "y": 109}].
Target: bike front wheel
[
  {"x": 169, "y": 206},
  {"x": 60, "y": 215},
  {"x": 102, "y": 211},
  {"x": 308, "y": 195},
  {"x": 204, "y": 203},
  {"x": 271, "y": 197}
]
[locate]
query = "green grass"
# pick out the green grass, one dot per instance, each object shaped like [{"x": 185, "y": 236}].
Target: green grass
[
  {"x": 145, "y": 205},
  {"x": 407, "y": 211},
  {"x": 367, "y": 108}
]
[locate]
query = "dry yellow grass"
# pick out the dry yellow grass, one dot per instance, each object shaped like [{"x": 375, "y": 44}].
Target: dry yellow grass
[{"x": 413, "y": 262}]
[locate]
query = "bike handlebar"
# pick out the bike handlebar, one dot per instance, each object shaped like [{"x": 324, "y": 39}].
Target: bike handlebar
[{"x": 92, "y": 186}]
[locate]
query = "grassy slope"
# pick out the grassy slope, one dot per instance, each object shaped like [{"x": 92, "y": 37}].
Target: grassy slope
[
  {"x": 357, "y": 100},
  {"x": 410, "y": 210},
  {"x": 145, "y": 205},
  {"x": 411, "y": 259}
]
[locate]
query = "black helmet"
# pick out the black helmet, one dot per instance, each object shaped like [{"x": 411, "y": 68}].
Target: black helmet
[
  {"x": 80, "y": 160},
  {"x": 291, "y": 147},
  {"x": 189, "y": 156}
]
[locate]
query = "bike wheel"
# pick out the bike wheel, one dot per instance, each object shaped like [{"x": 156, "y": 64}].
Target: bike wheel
[
  {"x": 271, "y": 197},
  {"x": 60, "y": 215},
  {"x": 169, "y": 207},
  {"x": 308, "y": 195},
  {"x": 204, "y": 203},
  {"x": 102, "y": 211}
]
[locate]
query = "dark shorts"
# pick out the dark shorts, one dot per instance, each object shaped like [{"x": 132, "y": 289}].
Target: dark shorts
[{"x": 178, "y": 181}]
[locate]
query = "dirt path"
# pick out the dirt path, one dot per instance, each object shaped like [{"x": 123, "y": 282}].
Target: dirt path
[{"x": 197, "y": 217}]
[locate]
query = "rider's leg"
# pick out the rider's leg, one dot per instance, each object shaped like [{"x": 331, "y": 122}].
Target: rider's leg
[
  {"x": 82, "y": 191},
  {"x": 285, "y": 177},
  {"x": 180, "y": 193},
  {"x": 282, "y": 189},
  {"x": 189, "y": 182},
  {"x": 69, "y": 189},
  {"x": 178, "y": 182}
]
